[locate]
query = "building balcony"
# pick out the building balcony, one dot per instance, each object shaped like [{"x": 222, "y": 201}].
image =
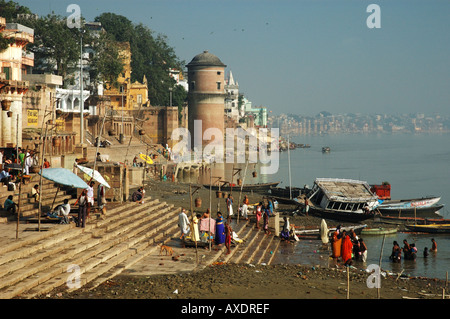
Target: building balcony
[
  {"x": 20, "y": 33},
  {"x": 10, "y": 86}
]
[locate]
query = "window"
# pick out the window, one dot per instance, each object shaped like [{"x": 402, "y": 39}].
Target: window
[
  {"x": 192, "y": 85},
  {"x": 219, "y": 73},
  {"x": 218, "y": 85},
  {"x": 139, "y": 98},
  {"x": 7, "y": 71}
]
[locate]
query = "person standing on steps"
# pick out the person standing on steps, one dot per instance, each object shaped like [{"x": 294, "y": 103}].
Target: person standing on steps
[
  {"x": 228, "y": 232},
  {"x": 230, "y": 206},
  {"x": 245, "y": 204},
  {"x": 183, "y": 223},
  {"x": 82, "y": 209},
  {"x": 90, "y": 197},
  {"x": 101, "y": 199}
]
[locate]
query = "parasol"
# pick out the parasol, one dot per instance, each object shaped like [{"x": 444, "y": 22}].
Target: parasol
[
  {"x": 63, "y": 176},
  {"x": 14, "y": 166},
  {"x": 94, "y": 175},
  {"x": 146, "y": 158}
]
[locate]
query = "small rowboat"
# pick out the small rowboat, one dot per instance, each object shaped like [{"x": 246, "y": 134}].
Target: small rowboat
[{"x": 378, "y": 231}]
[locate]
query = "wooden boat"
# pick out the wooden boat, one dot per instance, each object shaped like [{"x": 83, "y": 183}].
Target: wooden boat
[
  {"x": 286, "y": 192},
  {"x": 433, "y": 228},
  {"x": 419, "y": 207},
  {"x": 417, "y": 220},
  {"x": 378, "y": 231},
  {"x": 341, "y": 199},
  {"x": 261, "y": 187},
  {"x": 316, "y": 231}
]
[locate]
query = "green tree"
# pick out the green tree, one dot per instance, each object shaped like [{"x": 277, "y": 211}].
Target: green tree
[
  {"x": 56, "y": 47},
  {"x": 106, "y": 63},
  {"x": 10, "y": 9},
  {"x": 150, "y": 55}
]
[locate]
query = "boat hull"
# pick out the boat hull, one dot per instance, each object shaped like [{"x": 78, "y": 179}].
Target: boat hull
[
  {"x": 418, "y": 220},
  {"x": 433, "y": 229},
  {"x": 285, "y": 192},
  {"x": 245, "y": 188},
  {"x": 339, "y": 215},
  {"x": 378, "y": 231},
  {"x": 427, "y": 211},
  {"x": 316, "y": 231}
]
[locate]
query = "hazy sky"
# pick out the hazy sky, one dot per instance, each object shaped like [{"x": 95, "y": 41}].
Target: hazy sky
[{"x": 306, "y": 56}]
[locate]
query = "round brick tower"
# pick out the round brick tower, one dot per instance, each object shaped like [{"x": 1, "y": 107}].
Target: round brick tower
[{"x": 206, "y": 96}]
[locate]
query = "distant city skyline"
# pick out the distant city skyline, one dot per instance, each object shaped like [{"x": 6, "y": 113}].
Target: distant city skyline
[{"x": 304, "y": 56}]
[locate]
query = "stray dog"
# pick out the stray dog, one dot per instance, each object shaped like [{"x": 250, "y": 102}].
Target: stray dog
[{"x": 167, "y": 249}]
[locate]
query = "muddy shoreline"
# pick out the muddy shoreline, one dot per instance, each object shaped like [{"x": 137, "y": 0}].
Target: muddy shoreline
[{"x": 246, "y": 281}]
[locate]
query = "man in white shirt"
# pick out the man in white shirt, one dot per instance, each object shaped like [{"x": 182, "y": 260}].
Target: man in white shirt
[
  {"x": 28, "y": 163},
  {"x": 63, "y": 210},
  {"x": 183, "y": 223},
  {"x": 90, "y": 196}
]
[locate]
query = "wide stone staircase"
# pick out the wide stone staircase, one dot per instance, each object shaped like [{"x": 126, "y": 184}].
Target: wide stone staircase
[
  {"x": 49, "y": 259},
  {"x": 38, "y": 265}
]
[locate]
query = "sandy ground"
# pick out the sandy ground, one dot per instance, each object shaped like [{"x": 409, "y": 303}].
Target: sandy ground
[{"x": 244, "y": 281}]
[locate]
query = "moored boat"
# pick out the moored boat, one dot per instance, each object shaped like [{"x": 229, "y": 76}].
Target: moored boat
[
  {"x": 341, "y": 199},
  {"x": 432, "y": 228},
  {"x": 409, "y": 219},
  {"x": 316, "y": 231},
  {"x": 286, "y": 191},
  {"x": 419, "y": 207},
  {"x": 245, "y": 188},
  {"x": 378, "y": 231}
]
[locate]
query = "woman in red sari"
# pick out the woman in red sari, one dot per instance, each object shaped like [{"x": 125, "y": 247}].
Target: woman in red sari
[{"x": 347, "y": 248}]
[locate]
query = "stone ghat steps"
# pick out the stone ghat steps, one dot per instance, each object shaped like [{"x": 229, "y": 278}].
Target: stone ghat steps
[
  {"x": 40, "y": 265},
  {"x": 256, "y": 248},
  {"x": 255, "y": 243},
  {"x": 29, "y": 207}
]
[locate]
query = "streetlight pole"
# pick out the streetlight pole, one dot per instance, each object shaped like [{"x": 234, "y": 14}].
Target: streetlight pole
[
  {"x": 121, "y": 128},
  {"x": 81, "y": 89}
]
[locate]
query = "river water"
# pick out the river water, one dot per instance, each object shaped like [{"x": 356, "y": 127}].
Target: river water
[{"x": 415, "y": 165}]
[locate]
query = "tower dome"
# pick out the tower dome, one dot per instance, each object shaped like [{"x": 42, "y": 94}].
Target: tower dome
[{"x": 206, "y": 59}]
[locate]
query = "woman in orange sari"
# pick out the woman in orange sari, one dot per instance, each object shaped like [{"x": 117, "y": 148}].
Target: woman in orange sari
[{"x": 336, "y": 245}]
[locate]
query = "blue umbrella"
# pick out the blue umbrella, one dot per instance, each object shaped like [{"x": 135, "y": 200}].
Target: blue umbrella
[{"x": 63, "y": 176}]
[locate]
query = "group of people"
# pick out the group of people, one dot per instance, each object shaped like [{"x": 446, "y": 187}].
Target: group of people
[
  {"x": 202, "y": 228},
  {"x": 263, "y": 210},
  {"x": 409, "y": 251},
  {"x": 86, "y": 202},
  {"x": 348, "y": 246},
  {"x": 138, "y": 195},
  {"x": 24, "y": 157}
]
